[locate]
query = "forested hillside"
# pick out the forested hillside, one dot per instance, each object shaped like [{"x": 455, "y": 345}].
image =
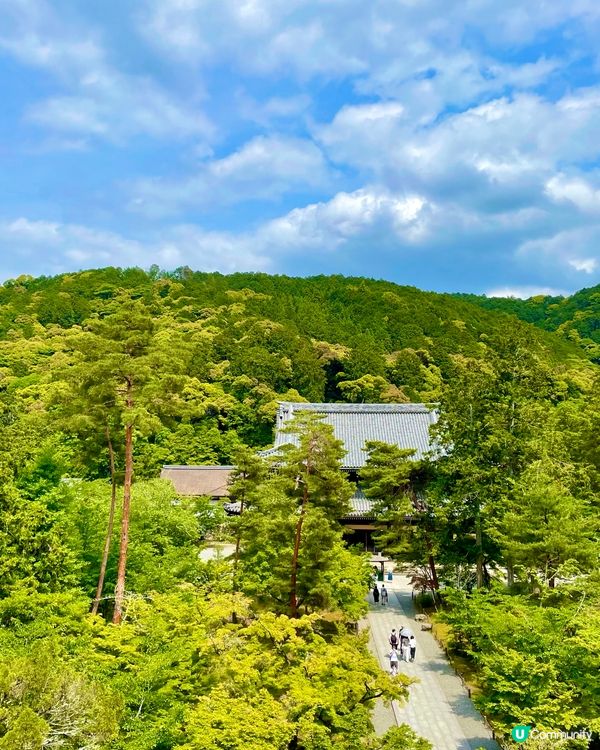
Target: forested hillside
[
  {"x": 253, "y": 338},
  {"x": 115, "y": 634},
  {"x": 576, "y": 318}
]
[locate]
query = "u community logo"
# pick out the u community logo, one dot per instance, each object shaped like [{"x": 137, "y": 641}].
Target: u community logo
[{"x": 520, "y": 733}]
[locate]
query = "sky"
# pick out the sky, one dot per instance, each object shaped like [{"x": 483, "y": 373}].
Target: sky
[{"x": 450, "y": 145}]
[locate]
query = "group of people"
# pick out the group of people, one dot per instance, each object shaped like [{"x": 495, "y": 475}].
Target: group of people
[
  {"x": 377, "y": 594},
  {"x": 403, "y": 643},
  {"x": 404, "y": 646}
]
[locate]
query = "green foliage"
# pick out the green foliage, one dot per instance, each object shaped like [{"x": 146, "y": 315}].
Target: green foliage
[
  {"x": 33, "y": 550},
  {"x": 551, "y": 531},
  {"x": 166, "y": 532},
  {"x": 180, "y": 672},
  {"x": 546, "y": 674},
  {"x": 575, "y": 317},
  {"x": 291, "y": 538},
  {"x": 196, "y": 363},
  {"x": 44, "y": 703},
  {"x": 402, "y": 738}
]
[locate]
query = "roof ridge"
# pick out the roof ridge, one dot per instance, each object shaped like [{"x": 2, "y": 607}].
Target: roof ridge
[
  {"x": 348, "y": 407},
  {"x": 202, "y": 466}
]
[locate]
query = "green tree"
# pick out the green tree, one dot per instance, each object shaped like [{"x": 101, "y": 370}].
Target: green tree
[
  {"x": 127, "y": 367},
  {"x": 290, "y": 536},
  {"x": 488, "y": 413},
  {"x": 34, "y": 553},
  {"x": 550, "y": 529},
  {"x": 407, "y": 528},
  {"x": 249, "y": 472},
  {"x": 47, "y": 705},
  {"x": 313, "y": 479}
]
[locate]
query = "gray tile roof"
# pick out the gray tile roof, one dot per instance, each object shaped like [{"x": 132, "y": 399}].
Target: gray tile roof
[
  {"x": 404, "y": 425},
  {"x": 360, "y": 507}
]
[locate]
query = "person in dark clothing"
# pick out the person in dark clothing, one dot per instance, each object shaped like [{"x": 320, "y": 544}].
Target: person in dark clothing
[{"x": 376, "y": 594}]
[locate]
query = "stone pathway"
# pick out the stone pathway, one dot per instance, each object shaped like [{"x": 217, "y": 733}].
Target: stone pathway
[{"x": 439, "y": 708}]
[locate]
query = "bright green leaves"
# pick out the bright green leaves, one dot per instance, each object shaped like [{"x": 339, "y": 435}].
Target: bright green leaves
[
  {"x": 44, "y": 703},
  {"x": 538, "y": 664},
  {"x": 292, "y": 555}
]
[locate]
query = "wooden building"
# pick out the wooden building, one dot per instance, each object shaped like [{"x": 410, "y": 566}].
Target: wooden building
[{"x": 404, "y": 425}]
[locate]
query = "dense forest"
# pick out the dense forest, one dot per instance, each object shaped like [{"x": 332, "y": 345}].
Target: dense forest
[
  {"x": 576, "y": 317},
  {"x": 116, "y": 634}
]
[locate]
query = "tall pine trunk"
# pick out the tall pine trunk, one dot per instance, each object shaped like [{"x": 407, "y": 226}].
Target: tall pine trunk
[
  {"x": 297, "y": 540},
  {"x": 120, "y": 587},
  {"x": 109, "y": 528},
  {"x": 236, "y": 557}
]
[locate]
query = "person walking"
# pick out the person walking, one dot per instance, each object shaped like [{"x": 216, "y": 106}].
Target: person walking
[
  {"x": 393, "y": 662},
  {"x": 405, "y": 649},
  {"x": 384, "y": 595},
  {"x": 412, "y": 642},
  {"x": 376, "y": 594},
  {"x": 394, "y": 639}
]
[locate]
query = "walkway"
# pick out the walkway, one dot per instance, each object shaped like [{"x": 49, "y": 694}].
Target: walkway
[{"x": 439, "y": 708}]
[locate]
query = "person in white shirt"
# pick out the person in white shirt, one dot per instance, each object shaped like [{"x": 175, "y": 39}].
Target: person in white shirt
[
  {"x": 393, "y": 662},
  {"x": 412, "y": 642},
  {"x": 405, "y": 649}
]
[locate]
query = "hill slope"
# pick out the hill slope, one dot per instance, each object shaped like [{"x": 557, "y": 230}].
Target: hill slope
[
  {"x": 576, "y": 318},
  {"x": 256, "y": 338}
]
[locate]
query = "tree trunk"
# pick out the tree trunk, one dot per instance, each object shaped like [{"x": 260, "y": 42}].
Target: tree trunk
[
  {"x": 479, "y": 545},
  {"x": 236, "y": 557},
  {"x": 431, "y": 562},
  {"x": 434, "y": 579},
  {"x": 109, "y": 528},
  {"x": 120, "y": 587},
  {"x": 294, "y": 576},
  {"x": 551, "y": 570},
  {"x": 510, "y": 574}
]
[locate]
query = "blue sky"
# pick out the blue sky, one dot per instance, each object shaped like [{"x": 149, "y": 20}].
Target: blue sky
[{"x": 449, "y": 145}]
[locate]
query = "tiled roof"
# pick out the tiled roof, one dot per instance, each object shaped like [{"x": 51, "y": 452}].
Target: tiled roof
[
  {"x": 360, "y": 507},
  {"x": 404, "y": 425},
  {"x": 199, "y": 480}
]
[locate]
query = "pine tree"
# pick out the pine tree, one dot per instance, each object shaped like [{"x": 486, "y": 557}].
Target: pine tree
[
  {"x": 127, "y": 368},
  {"x": 248, "y": 473},
  {"x": 314, "y": 480},
  {"x": 407, "y": 528}
]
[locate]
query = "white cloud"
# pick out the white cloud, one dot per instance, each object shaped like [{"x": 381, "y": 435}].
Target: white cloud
[
  {"x": 100, "y": 101},
  {"x": 429, "y": 54},
  {"x": 52, "y": 247},
  {"x": 519, "y": 134},
  {"x": 587, "y": 265},
  {"x": 315, "y": 229},
  {"x": 525, "y": 292},
  {"x": 116, "y": 107},
  {"x": 503, "y": 155},
  {"x": 569, "y": 252},
  {"x": 328, "y": 225},
  {"x": 273, "y": 111},
  {"x": 575, "y": 190},
  {"x": 265, "y": 168}
]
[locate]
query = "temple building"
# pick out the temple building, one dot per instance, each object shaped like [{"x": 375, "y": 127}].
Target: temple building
[{"x": 404, "y": 425}]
